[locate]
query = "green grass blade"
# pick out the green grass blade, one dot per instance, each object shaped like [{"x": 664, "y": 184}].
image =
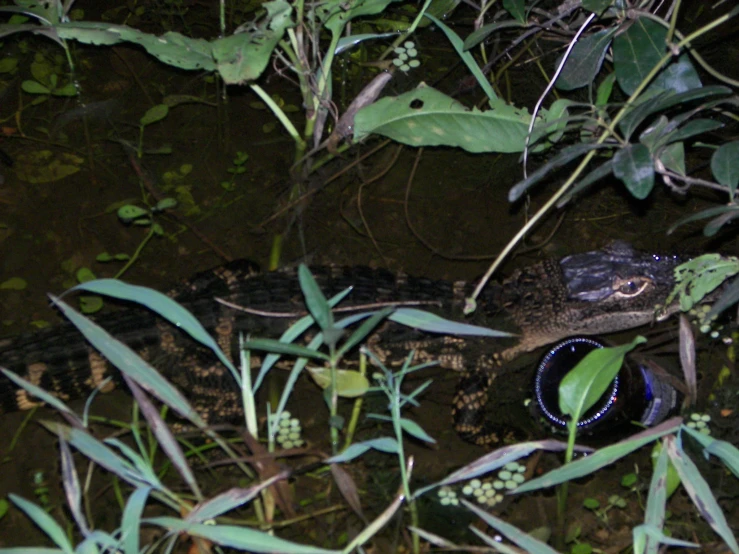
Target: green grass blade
[
  {"x": 314, "y": 299},
  {"x": 601, "y": 458},
  {"x": 432, "y": 323},
  {"x": 243, "y": 538},
  {"x": 700, "y": 493},
  {"x": 125, "y": 359},
  {"x": 162, "y": 305},
  {"x": 726, "y": 452},
  {"x": 131, "y": 520},
  {"x": 41, "y": 394},
  {"x": 514, "y": 534},
  {"x": 45, "y": 522}
]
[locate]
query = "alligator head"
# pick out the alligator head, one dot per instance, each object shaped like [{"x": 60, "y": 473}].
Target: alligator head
[{"x": 599, "y": 292}]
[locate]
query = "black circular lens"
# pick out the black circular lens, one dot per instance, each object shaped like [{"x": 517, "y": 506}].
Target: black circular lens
[{"x": 555, "y": 364}]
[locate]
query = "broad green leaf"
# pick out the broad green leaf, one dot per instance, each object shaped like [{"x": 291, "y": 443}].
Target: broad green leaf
[
  {"x": 154, "y": 114},
  {"x": 653, "y": 102},
  {"x": 349, "y": 383},
  {"x": 725, "y": 165},
  {"x": 700, "y": 493},
  {"x": 590, "y": 378},
  {"x": 45, "y": 166},
  {"x": 633, "y": 165},
  {"x": 556, "y": 119},
  {"x": 426, "y": 117},
  {"x": 605, "y": 88},
  {"x": 638, "y": 49},
  {"x": 241, "y": 537},
  {"x": 14, "y": 283},
  {"x": 415, "y": 430},
  {"x": 692, "y": 128},
  {"x": 700, "y": 276},
  {"x": 171, "y": 48},
  {"x": 596, "y": 6},
  {"x": 34, "y": 87},
  {"x": 517, "y": 10},
  {"x": 244, "y": 56},
  {"x": 585, "y": 60},
  {"x": 129, "y": 212},
  {"x": 383, "y": 444},
  {"x": 45, "y": 522},
  {"x": 672, "y": 157}
]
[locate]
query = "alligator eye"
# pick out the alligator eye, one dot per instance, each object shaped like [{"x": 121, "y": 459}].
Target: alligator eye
[{"x": 630, "y": 287}]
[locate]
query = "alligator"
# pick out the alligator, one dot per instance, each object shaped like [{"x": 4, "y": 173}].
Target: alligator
[{"x": 598, "y": 292}]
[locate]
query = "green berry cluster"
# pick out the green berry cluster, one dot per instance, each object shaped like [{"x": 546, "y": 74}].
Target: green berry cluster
[
  {"x": 699, "y": 422},
  {"x": 405, "y": 56},
  {"x": 708, "y": 326},
  {"x": 490, "y": 491},
  {"x": 448, "y": 496},
  {"x": 289, "y": 431}
]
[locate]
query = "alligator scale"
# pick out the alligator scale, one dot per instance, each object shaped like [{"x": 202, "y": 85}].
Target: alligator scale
[{"x": 598, "y": 292}]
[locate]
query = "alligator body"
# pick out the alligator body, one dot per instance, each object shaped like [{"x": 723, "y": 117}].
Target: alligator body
[{"x": 596, "y": 292}]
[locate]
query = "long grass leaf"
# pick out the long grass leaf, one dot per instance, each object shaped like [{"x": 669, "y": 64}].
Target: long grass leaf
[
  {"x": 654, "y": 514},
  {"x": 601, "y": 458},
  {"x": 466, "y": 57},
  {"x": 164, "y": 437},
  {"x": 71, "y": 484},
  {"x": 315, "y": 301},
  {"x": 494, "y": 460},
  {"x": 726, "y": 452},
  {"x": 295, "y": 330},
  {"x": 432, "y": 323},
  {"x": 511, "y": 532},
  {"x": 41, "y": 394},
  {"x": 45, "y": 522},
  {"x": 163, "y": 305},
  {"x": 230, "y": 499},
  {"x": 237, "y": 537},
  {"x": 96, "y": 451},
  {"x": 700, "y": 493},
  {"x": 131, "y": 520},
  {"x": 125, "y": 359},
  {"x": 383, "y": 444}
]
